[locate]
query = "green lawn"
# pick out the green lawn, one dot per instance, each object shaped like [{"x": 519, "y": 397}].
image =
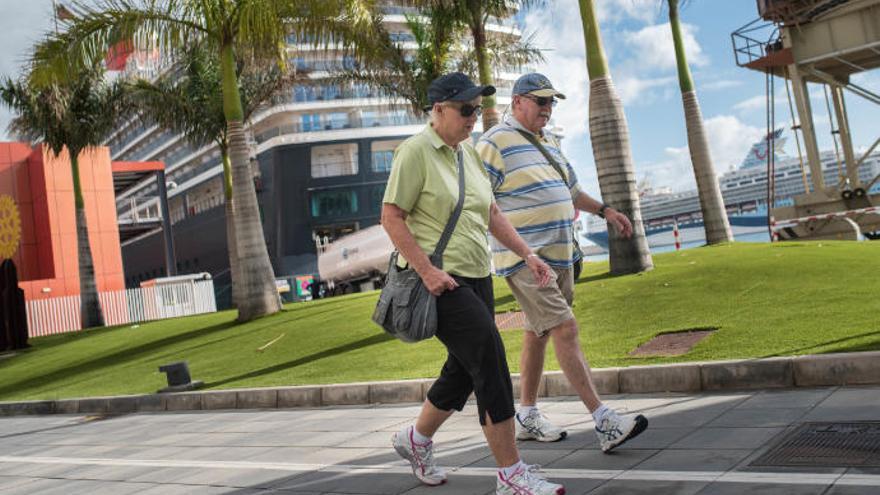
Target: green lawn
[{"x": 766, "y": 300}]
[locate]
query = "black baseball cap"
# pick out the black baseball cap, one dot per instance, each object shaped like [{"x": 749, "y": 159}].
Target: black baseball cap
[{"x": 456, "y": 87}]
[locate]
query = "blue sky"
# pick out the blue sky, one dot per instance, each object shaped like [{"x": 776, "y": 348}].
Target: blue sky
[
  {"x": 637, "y": 41},
  {"x": 638, "y": 44}
]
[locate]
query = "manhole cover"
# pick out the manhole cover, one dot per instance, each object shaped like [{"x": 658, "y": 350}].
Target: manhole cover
[
  {"x": 855, "y": 444},
  {"x": 672, "y": 344}
]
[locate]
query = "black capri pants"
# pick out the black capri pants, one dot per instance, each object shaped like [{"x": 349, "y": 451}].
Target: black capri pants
[{"x": 476, "y": 361}]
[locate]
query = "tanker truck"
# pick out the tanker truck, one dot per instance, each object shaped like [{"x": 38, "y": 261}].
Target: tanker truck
[
  {"x": 354, "y": 263},
  {"x": 358, "y": 262}
]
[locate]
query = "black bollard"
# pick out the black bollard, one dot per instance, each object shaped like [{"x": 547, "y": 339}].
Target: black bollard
[{"x": 178, "y": 377}]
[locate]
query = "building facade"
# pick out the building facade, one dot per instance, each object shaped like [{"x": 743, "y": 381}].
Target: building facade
[{"x": 322, "y": 156}]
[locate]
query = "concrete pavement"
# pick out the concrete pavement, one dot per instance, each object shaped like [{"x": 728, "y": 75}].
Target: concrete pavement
[{"x": 696, "y": 444}]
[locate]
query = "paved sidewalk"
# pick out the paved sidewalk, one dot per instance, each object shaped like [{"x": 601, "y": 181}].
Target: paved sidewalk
[{"x": 697, "y": 443}]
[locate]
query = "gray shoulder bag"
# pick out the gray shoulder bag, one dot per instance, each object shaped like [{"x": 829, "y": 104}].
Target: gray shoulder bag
[
  {"x": 578, "y": 254},
  {"x": 406, "y": 309}
]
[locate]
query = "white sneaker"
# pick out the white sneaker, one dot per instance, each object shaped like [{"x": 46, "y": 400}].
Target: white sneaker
[
  {"x": 526, "y": 481},
  {"x": 536, "y": 426},
  {"x": 420, "y": 457},
  {"x": 615, "y": 429}
]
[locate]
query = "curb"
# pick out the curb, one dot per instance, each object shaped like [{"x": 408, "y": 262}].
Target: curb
[{"x": 856, "y": 368}]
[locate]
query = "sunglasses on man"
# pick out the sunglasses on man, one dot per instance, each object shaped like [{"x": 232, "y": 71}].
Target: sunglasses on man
[{"x": 542, "y": 101}]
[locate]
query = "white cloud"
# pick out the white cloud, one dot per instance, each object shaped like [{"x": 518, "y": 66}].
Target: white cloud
[
  {"x": 759, "y": 103},
  {"x": 719, "y": 85},
  {"x": 634, "y": 90},
  {"x": 612, "y": 11},
  {"x": 729, "y": 141},
  {"x": 566, "y": 65},
  {"x": 652, "y": 47},
  {"x": 18, "y": 32}
]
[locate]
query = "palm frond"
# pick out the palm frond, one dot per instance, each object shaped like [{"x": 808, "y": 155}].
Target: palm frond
[
  {"x": 406, "y": 74},
  {"x": 502, "y": 54},
  {"x": 189, "y": 100},
  {"x": 163, "y": 25},
  {"x": 78, "y": 112}
]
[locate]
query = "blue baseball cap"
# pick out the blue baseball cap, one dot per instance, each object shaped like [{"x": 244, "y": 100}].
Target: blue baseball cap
[
  {"x": 535, "y": 84},
  {"x": 456, "y": 87}
]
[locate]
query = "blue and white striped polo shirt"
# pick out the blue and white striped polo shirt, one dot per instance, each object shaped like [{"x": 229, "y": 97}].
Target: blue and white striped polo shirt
[{"x": 531, "y": 194}]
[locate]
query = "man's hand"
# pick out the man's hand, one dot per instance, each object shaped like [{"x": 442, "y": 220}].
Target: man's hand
[
  {"x": 620, "y": 222},
  {"x": 437, "y": 281},
  {"x": 540, "y": 270}
]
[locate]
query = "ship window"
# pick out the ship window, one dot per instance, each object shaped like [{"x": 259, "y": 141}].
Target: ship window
[
  {"x": 334, "y": 203},
  {"x": 337, "y": 120},
  {"x": 376, "y": 195},
  {"x": 382, "y": 154},
  {"x": 311, "y": 122},
  {"x": 334, "y": 160}
]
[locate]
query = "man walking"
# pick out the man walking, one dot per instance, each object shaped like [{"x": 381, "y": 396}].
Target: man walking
[{"x": 537, "y": 190}]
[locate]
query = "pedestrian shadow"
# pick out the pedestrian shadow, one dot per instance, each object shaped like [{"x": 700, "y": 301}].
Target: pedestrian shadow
[
  {"x": 119, "y": 357},
  {"x": 335, "y": 351},
  {"x": 585, "y": 279},
  {"x": 870, "y": 346}
]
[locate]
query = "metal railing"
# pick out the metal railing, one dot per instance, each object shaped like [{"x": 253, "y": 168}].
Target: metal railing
[{"x": 754, "y": 41}]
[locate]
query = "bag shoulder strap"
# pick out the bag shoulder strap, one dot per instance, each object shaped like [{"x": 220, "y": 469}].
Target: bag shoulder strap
[
  {"x": 453, "y": 219},
  {"x": 537, "y": 144}
]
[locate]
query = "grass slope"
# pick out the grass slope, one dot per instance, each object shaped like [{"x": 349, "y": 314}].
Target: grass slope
[{"x": 766, "y": 300}]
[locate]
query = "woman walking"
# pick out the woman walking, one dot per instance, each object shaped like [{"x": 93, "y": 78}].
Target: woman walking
[{"x": 421, "y": 195}]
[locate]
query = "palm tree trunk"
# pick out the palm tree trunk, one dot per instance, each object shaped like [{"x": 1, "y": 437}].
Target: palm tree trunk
[
  {"x": 258, "y": 295},
  {"x": 609, "y": 135},
  {"x": 612, "y": 153},
  {"x": 478, "y": 31},
  {"x": 715, "y": 222},
  {"x": 232, "y": 247},
  {"x": 91, "y": 314}
]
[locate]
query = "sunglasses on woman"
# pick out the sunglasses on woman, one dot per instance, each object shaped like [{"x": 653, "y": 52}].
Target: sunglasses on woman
[
  {"x": 543, "y": 101},
  {"x": 466, "y": 110}
]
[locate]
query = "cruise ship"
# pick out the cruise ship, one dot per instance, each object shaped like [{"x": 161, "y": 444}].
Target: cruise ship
[
  {"x": 745, "y": 196},
  {"x": 323, "y": 153}
]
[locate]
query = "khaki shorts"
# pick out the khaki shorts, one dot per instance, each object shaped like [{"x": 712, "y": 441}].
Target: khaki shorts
[{"x": 544, "y": 307}]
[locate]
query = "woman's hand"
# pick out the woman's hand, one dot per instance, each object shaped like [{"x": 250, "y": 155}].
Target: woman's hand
[
  {"x": 540, "y": 270},
  {"x": 437, "y": 281}
]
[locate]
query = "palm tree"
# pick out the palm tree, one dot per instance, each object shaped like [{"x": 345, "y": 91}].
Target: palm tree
[
  {"x": 715, "y": 221},
  {"x": 190, "y": 102},
  {"x": 475, "y": 14},
  {"x": 77, "y": 112},
  {"x": 237, "y": 31},
  {"x": 405, "y": 74},
  {"x": 609, "y": 135}
]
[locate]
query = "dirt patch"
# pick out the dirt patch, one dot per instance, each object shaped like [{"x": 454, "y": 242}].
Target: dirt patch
[
  {"x": 512, "y": 320},
  {"x": 673, "y": 343}
]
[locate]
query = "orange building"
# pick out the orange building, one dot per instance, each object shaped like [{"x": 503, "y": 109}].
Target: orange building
[{"x": 44, "y": 249}]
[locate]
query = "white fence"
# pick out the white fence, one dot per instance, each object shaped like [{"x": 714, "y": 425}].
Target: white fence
[{"x": 62, "y": 314}]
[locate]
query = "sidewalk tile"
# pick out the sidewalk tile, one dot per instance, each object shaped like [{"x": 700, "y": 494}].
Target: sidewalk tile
[
  {"x": 727, "y": 438},
  {"x": 759, "y": 417},
  {"x": 720, "y": 488},
  {"x": 351, "y": 482},
  {"x": 631, "y": 487},
  {"x": 694, "y": 460},
  {"x": 624, "y": 458}
]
